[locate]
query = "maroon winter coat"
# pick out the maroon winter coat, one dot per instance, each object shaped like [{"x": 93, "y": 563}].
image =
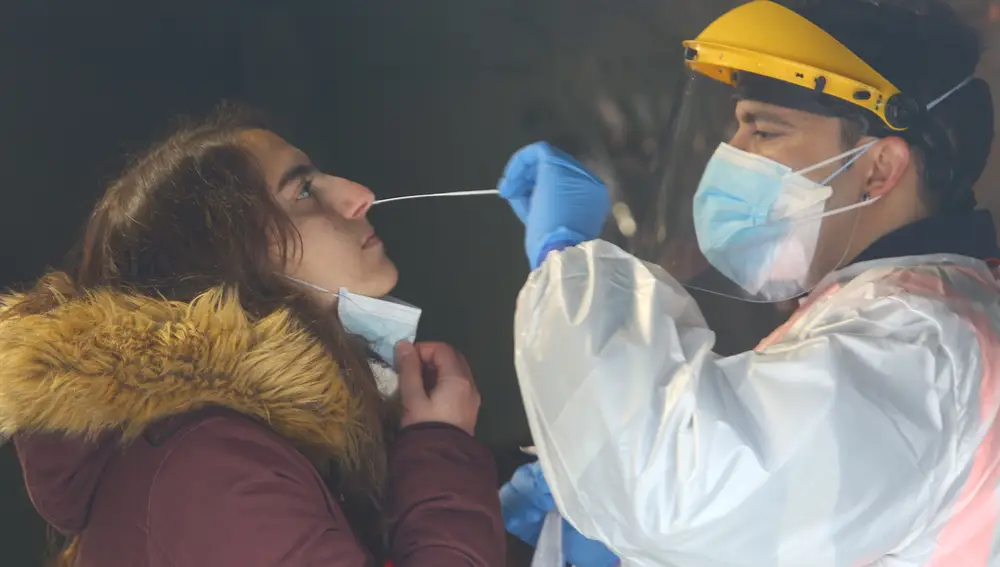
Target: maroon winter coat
[{"x": 175, "y": 435}]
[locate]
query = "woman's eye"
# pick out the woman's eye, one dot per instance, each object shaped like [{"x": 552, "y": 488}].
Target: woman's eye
[
  {"x": 305, "y": 191},
  {"x": 762, "y": 135}
]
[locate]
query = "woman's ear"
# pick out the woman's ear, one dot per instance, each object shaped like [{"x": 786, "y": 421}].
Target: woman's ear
[{"x": 888, "y": 160}]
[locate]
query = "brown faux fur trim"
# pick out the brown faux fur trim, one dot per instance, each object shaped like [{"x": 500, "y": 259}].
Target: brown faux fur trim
[{"x": 107, "y": 360}]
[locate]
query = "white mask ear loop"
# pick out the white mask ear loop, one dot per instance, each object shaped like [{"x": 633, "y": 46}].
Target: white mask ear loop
[
  {"x": 940, "y": 99},
  {"x": 855, "y": 154},
  {"x": 858, "y": 152},
  {"x": 451, "y": 194},
  {"x": 861, "y": 151},
  {"x": 310, "y": 285},
  {"x": 339, "y": 296}
]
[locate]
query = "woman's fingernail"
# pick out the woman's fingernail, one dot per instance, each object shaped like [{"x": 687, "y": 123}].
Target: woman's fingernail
[{"x": 404, "y": 348}]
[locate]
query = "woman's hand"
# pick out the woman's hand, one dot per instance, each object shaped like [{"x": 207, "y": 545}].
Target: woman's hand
[{"x": 436, "y": 386}]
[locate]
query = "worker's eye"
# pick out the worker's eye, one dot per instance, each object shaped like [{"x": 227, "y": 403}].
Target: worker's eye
[{"x": 765, "y": 135}]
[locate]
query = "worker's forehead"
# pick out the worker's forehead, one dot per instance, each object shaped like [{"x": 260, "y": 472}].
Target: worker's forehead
[{"x": 750, "y": 110}]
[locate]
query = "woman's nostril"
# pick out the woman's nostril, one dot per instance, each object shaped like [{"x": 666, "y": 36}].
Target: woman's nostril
[
  {"x": 362, "y": 208},
  {"x": 364, "y": 202}
]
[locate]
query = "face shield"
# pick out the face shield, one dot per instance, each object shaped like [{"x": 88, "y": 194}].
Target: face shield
[
  {"x": 741, "y": 216},
  {"x": 733, "y": 221}
]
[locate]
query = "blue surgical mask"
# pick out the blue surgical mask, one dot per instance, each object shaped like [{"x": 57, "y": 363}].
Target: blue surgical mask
[
  {"x": 757, "y": 221},
  {"x": 382, "y": 322}
]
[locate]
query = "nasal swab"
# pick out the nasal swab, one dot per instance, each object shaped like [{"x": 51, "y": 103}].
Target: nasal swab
[{"x": 452, "y": 194}]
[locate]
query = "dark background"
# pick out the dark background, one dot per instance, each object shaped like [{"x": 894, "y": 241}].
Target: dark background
[{"x": 404, "y": 96}]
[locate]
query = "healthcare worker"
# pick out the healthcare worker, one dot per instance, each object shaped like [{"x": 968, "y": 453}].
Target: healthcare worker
[{"x": 863, "y": 431}]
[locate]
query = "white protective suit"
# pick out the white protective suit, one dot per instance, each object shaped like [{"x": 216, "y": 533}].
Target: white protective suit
[{"x": 863, "y": 432}]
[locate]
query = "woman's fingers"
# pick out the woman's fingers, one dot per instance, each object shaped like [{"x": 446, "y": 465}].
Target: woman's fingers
[
  {"x": 452, "y": 397},
  {"x": 447, "y": 364},
  {"x": 409, "y": 368}
]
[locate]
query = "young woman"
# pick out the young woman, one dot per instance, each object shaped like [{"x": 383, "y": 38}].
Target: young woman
[{"x": 186, "y": 396}]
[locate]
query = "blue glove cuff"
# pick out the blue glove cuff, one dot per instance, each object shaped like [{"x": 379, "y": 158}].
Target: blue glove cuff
[
  {"x": 559, "y": 239},
  {"x": 549, "y": 248}
]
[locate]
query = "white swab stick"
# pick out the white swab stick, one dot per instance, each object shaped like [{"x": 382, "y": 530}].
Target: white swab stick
[{"x": 452, "y": 194}]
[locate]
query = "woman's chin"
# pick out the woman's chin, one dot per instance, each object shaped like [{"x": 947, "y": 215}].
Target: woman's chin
[{"x": 384, "y": 280}]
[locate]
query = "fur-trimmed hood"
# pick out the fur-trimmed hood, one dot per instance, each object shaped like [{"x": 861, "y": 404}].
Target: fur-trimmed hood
[{"x": 106, "y": 365}]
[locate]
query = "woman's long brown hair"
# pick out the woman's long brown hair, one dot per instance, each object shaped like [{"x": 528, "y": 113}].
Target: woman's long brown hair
[{"x": 194, "y": 212}]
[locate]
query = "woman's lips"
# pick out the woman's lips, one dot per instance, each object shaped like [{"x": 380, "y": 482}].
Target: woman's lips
[{"x": 371, "y": 241}]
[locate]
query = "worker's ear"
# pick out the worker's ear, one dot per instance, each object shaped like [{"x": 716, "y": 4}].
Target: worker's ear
[{"x": 886, "y": 163}]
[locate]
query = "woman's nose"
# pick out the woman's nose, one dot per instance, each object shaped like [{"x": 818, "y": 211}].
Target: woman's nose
[{"x": 353, "y": 200}]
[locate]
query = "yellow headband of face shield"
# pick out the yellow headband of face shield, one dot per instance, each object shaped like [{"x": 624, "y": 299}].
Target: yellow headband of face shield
[{"x": 768, "y": 39}]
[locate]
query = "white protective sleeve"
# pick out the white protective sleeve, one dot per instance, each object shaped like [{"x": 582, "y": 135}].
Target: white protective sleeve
[{"x": 829, "y": 450}]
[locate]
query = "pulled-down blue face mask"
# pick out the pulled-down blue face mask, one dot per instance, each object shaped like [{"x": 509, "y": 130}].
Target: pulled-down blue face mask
[{"x": 382, "y": 322}]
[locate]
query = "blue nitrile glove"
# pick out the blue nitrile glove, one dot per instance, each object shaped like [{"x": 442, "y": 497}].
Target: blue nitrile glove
[
  {"x": 560, "y": 203},
  {"x": 526, "y": 500}
]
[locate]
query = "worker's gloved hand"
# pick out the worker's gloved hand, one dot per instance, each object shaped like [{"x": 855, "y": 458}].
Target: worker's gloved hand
[
  {"x": 526, "y": 501},
  {"x": 560, "y": 203}
]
